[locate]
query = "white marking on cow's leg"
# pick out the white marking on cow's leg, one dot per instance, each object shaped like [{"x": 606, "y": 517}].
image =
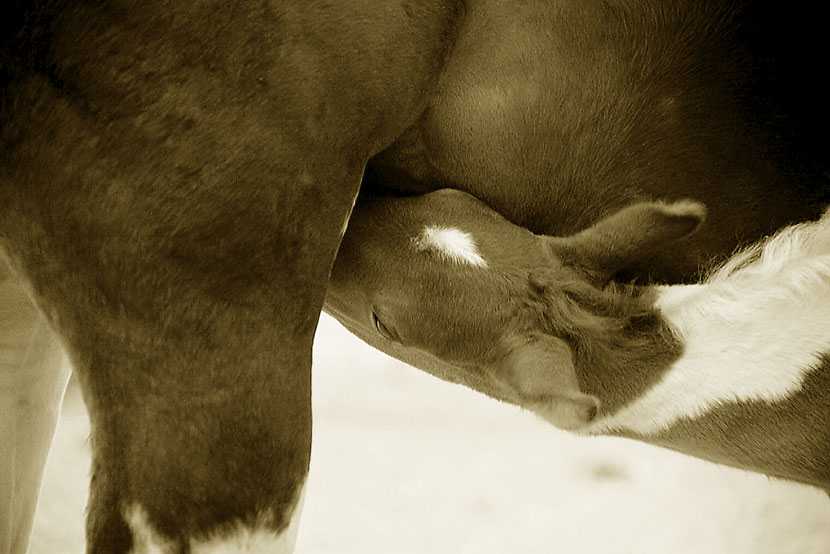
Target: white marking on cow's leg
[
  {"x": 33, "y": 377},
  {"x": 450, "y": 243},
  {"x": 259, "y": 538},
  {"x": 145, "y": 538}
]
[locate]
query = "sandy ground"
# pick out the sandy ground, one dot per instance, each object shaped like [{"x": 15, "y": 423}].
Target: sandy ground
[{"x": 403, "y": 463}]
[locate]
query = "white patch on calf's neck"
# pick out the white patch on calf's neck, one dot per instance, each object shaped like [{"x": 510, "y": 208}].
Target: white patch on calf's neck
[
  {"x": 451, "y": 244},
  {"x": 753, "y": 332},
  {"x": 237, "y": 539}
]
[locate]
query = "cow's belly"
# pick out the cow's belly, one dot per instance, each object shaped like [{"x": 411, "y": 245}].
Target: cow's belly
[{"x": 558, "y": 113}]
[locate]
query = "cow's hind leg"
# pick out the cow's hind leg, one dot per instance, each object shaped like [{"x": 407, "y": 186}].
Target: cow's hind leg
[{"x": 33, "y": 376}]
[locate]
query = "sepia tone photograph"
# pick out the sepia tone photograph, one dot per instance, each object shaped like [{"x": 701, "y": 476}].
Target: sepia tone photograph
[{"x": 410, "y": 276}]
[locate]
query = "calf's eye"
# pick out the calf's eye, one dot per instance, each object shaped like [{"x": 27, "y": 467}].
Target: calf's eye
[{"x": 382, "y": 329}]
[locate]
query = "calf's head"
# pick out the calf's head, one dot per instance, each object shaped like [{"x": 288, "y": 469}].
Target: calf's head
[{"x": 444, "y": 283}]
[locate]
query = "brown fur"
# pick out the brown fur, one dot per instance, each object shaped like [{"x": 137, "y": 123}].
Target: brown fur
[
  {"x": 620, "y": 344},
  {"x": 174, "y": 179}
]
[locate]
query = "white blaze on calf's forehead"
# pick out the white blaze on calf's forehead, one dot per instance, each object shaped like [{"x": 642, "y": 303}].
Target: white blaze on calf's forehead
[
  {"x": 451, "y": 244},
  {"x": 235, "y": 539}
]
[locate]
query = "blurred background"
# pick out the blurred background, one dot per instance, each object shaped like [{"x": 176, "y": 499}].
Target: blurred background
[{"x": 403, "y": 463}]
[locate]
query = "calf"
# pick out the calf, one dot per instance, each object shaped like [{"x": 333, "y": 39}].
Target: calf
[{"x": 734, "y": 369}]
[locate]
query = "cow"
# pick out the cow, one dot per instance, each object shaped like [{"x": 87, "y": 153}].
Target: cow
[
  {"x": 177, "y": 176},
  {"x": 734, "y": 369}
]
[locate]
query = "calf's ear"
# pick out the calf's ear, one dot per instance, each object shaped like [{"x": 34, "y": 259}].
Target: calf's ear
[
  {"x": 542, "y": 376},
  {"x": 629, "y": 235}
]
